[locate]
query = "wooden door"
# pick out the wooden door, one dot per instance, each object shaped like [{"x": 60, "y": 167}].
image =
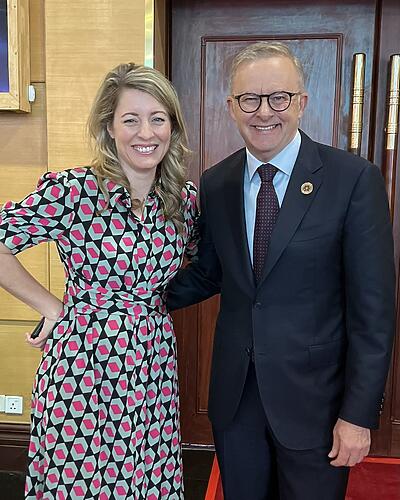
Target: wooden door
[{"x": 205, "y": 35}]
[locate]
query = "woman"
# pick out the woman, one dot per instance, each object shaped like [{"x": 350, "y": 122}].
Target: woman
[{"x": 105, "y": 418}]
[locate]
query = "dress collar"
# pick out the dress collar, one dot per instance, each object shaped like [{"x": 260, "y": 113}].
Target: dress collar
[{"x": 119, "y": 194}]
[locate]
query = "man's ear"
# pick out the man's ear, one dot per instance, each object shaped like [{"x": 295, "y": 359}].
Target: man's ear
[
  {"x": 230, "y": 103},
  {"x": 303, "y": 103},
  {"x": 110, "y": 130}
]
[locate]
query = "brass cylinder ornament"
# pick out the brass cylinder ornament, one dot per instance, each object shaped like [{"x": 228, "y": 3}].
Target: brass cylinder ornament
[
  {"x": 149, "y": 33},
  {"x": 392, "y": 126},
  {"x": 357, "y": 103}
]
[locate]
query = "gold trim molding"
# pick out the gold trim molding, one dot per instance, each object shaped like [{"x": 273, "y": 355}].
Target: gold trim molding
[{"x": 19, "y": 71}]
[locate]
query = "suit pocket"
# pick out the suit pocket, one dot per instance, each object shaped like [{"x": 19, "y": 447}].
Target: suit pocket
[
  {"x": 329, "y": 228},
  {"x": 330, "y": 353}
]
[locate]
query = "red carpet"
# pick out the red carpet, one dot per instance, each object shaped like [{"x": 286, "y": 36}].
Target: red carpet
[{"x": 373, "y": 479}]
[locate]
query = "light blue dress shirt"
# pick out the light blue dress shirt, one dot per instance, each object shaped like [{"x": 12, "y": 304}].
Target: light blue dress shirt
[{"x": 284, "y": 161}]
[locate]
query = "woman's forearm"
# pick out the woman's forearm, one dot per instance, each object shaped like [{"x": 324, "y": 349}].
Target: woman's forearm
[{"x": 16, "y": 280}]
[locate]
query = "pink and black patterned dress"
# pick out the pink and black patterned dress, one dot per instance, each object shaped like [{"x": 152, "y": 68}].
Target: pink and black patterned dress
[{"x": 105, "y": 408}]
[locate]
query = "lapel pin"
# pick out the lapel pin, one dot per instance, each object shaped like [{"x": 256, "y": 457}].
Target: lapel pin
[{"x": 307, "y": 188}]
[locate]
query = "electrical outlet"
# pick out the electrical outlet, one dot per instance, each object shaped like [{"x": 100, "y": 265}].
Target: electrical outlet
[
  {"x": 14, "y": 405},
  {"x": 2, "y": 403}
]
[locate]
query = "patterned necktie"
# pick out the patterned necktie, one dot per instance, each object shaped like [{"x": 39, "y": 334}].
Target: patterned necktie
[{"x": 266, "y": 215}]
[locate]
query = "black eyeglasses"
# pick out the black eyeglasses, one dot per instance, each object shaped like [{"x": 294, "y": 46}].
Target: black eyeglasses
[{"x": 278, "y": 101}]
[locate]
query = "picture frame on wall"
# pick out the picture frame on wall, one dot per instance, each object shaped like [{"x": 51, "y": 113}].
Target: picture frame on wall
[{"x": 14, "y": 55}]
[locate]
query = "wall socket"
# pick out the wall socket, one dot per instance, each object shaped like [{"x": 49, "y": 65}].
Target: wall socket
[
  {"x": 14, "y": 405},
  {"x": 2, "y": 403}
]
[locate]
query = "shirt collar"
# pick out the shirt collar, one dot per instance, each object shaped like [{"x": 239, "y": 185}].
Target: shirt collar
[
  {"x": 118, "y": 193},
  {"x": 283, "y": 161}
]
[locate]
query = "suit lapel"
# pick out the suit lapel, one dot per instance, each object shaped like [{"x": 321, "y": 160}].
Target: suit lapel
[
  {"x": 308, "y": 168},
  {"x": 234, "y": 200}
]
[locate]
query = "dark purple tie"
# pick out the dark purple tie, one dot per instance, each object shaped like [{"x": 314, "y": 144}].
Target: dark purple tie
[{"x": 266, "y": 214}]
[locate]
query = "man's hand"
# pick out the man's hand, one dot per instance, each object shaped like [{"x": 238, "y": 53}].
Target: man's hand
[{"x": 351, "y": 444}]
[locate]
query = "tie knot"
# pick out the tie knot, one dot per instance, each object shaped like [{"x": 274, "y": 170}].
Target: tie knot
[{"x": 267, "y": 172}]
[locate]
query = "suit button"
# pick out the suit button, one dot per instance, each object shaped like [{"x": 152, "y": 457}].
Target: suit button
[
  {"x": 381, "y": 406},
  {"x": 250, "y": 353},
  {"x": 257, "y": 305}
]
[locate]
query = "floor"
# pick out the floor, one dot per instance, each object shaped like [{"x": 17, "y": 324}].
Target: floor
[
  {"x": 197, "y": 467},
  {"x": 11, "y": 486},
  {"x": 368, "y": 481}
]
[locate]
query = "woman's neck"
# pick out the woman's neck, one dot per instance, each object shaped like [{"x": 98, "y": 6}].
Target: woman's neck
[{"x": 140, "y": 182}]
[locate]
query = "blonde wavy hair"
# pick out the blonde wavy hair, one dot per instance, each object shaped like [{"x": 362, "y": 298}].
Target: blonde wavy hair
[{"x": 171, "y": 172}]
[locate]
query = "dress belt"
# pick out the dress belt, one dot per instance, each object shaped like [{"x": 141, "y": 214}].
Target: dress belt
[{"x": 92, "y": 301}]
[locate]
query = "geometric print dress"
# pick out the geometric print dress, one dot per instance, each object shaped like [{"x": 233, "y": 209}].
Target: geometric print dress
[{"x": 105, "y": 406}]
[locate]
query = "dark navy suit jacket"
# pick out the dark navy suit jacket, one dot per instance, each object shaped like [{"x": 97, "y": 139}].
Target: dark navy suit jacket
[{"x": 321, "y": 320}]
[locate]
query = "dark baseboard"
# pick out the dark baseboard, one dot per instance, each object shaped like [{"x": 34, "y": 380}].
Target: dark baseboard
[{"x": 14, "y": 442}]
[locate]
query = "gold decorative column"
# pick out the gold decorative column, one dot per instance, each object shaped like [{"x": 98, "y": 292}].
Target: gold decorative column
[
  {"x": 149, "y": 33},
  {"x": 357, "y": 103},
  {"x": 392, "y": 129}
]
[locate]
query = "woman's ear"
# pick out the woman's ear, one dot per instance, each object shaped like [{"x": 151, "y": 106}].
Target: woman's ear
[{"x": 110, "y": 130}]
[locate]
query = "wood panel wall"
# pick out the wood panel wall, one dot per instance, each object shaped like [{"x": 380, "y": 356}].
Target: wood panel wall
[
  {"x": 23, "y": 158},
  {"x": 73, "y": 44},
  {"x": 84, "y": 40}
]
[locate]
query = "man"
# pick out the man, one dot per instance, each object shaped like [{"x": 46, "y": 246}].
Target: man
[{"x": 296, "y": 236}]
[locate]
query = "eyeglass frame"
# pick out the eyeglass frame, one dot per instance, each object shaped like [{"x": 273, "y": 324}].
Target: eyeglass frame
[{"x": 260, "y": 96}]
